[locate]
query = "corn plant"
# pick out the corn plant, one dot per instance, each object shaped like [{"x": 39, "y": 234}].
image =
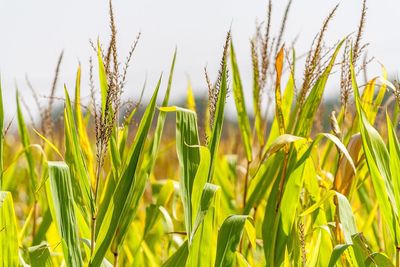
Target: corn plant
[{"x": 103, "y": 188}]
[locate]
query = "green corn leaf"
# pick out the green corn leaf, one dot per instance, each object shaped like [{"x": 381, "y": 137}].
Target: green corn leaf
[
  {"x": 394, "y": 151},
  {"x": 360, "y": 249},
  {"x": 378, "y": 259},
  {"x": 40, "y": 256},
  {"x": 115, "y": 155},
  {"x": 105, "y": 262},
  {"x": 42, "y": 230},
  {"x": 51, "y": 145},
  {"x": 203, "y": 238},
  {"x": 149, "y": 158},
  {"x": 346, "y": 218},
  {"x": 200, "y": 179},
  {"x": 291, "y": 195},
  {"x": 118, "y": 208},
  {"x": 319, "y": 204},
  {"x": 228, "y": 240},
  {"x": 126, "y": 221},
  {"x": 379, "y": 98},
  {"x": 188, "y": 150},
  {"x": 281, "y": 142},
  {"x": 187, "y": 141},
  {"x": 179, "y": 258},
  {"x": 62, "y": 207},
  {"x": 281, "y": 207},
  {"x": 75, "y": 159},
  {"x": 308, "y": 110},
  {"x": 278, "y": 220},
  {"x": 337, "y": 253},
  {"x": 81, "y": 126},
  {"x": 153, "y": 211},
  {"x": 370, "y": 104},
  {"x": 243, "y": 119},
  {"x": 111, "y": 182},
  {"x": 263, "y": 180},
  {"x": 378, "y": 161},
  {"x": 267, "y": 172},
  {"x": 336, "y": 141},
  {"x": 24, "y": 135},
  {"x": 8, "y": 231}
]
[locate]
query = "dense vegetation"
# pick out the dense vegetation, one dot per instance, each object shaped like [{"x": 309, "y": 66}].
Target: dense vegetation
[{"x": 103, "y": 188}]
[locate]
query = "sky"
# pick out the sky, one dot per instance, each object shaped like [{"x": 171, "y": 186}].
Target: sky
[{"x": 33, "y": 33}]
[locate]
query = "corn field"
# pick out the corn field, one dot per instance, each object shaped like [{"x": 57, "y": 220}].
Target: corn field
[{"x": 169, "y": 185}]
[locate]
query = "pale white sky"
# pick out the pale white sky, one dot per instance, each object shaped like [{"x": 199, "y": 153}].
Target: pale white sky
[{"x": 34, "y": 32}]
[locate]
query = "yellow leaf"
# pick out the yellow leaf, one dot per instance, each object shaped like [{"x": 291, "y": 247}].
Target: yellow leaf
[
  {"x": 191, "y": 103},
  {"x": 278, "y": 97}
]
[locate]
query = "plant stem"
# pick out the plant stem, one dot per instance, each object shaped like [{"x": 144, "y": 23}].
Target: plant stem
[
  {"x": 246, "y": 180},
  {"x": 282, "y": 181},
  {"x": 397, "y": 256},
  {"x": 92, "y": 234},
  {"x": 34, "y": 219},
  {"x": 337, "y": 222},
  {"x": 115, "y": 259},
  {"x": 94, "y": 214},
  {"x": 99, "y": 166}
]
